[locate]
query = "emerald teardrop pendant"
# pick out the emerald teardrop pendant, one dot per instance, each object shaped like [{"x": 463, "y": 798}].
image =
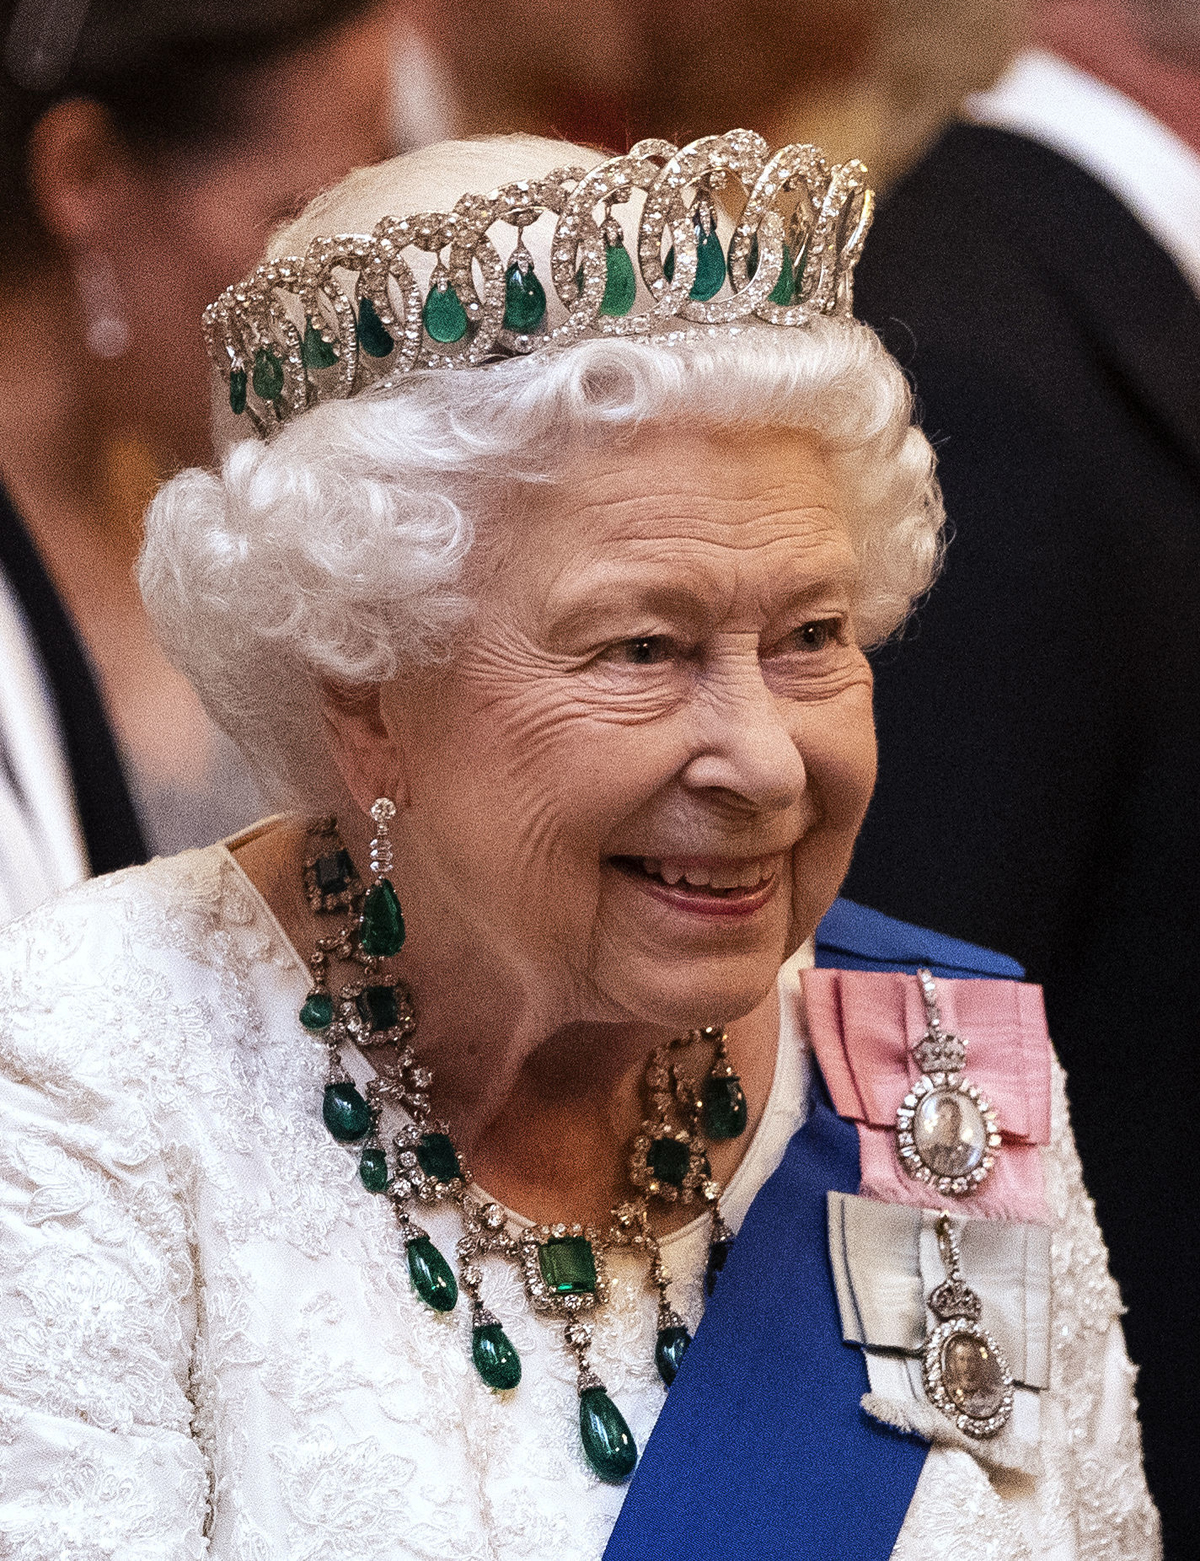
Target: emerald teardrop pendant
[
  {"x": 373, "y": 336},
  {"x": 620, "y": 283},
  {"x": 432, "y": 1277},
  {"x": 346, "y": 1113},
  {"x": 381, "y": 931},
  {"x": 607, "y": 1441},
  {"x": 237, "y": 391},
  {"x": 524, "y": 299},
  {"x": 444, "y": 316},
  {"x": 669, "y": 1349},
  {"x": 315, "y": 351},
  {"x": 710, "y": 266},
  {"x": 267, "y": 378},
  {"x": 317, "y": 1012},
  {"x": 495, "y": 1359},
  {"x": 784, "y": 291},
  {"x": 373, "y": 1169}
]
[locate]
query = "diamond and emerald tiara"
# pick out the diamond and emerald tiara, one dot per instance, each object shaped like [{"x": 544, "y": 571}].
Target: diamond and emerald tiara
[{"x": 349, "y": 315}]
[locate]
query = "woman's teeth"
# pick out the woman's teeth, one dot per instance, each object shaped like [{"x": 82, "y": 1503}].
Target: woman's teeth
[{"x": 728, "y": 875}]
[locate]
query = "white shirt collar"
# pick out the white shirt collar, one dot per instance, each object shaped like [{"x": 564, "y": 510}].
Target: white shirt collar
[{"x": 1121, "y": 144}]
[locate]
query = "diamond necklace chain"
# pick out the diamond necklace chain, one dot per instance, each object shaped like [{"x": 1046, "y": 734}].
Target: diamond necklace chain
[{"x": 564, "y": 1267}]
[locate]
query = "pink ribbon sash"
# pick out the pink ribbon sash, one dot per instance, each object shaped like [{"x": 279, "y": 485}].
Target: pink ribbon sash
[{"x": 863, "y": 1024}]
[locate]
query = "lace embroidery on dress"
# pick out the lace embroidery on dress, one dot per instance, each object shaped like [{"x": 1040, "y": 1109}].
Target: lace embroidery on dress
[
  {"x": 1091, "y": 1502},
  {"x": 1095, "y": 1471}
]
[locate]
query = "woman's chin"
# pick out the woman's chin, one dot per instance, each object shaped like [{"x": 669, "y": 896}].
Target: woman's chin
[{"x": 688, "y": 994}]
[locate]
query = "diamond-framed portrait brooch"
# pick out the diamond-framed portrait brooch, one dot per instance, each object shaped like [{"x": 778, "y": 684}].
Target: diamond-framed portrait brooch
[
  {"x": 947, "y": 1133},
  {"x": 964, "y": 1370}
]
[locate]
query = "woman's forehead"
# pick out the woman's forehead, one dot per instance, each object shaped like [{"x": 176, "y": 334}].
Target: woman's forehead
[
  {"x": 673, "y": 524},
  {"x": 741, "y": 490}
]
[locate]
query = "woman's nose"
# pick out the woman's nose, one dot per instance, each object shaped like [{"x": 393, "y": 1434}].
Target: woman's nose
[{"x": 743, "y": 746}]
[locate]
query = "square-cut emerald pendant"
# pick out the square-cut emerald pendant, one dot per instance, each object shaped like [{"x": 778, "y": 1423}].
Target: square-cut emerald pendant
[
  {"x": 668, "y": 1159},
  {"x": 568, "y": 1265},
  {"x": 377, "y": 1007},
  {"x": 436, "y": 1157},
  {"x": 333, "y": 872}
]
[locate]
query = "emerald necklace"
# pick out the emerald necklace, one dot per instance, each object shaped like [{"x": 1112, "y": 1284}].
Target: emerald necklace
[{"x": 564, "y": 1267}]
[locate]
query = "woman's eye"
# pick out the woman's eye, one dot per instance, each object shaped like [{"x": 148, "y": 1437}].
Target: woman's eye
[
  {"x": 816, "y": 636},
  {"x": 647, "y": 652}
]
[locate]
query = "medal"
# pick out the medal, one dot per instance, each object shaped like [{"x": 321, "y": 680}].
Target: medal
[
  {"x": 946, "y": 1131},
  {"x": 965, "y": 1374}
]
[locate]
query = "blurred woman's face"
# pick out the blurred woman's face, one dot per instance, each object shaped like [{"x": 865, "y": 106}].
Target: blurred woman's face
[
  {"x": 639, "y": 783},
  {"x": 198, "y": 221}
]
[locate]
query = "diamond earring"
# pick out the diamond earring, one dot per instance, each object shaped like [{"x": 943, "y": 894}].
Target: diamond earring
[
  {"x": 381, "y": 927},
  {"x": 106, "y": 330}
]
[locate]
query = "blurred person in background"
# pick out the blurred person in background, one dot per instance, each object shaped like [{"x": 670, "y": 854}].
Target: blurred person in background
[
  {"x": 1039, "y": 727},
  {"x": 875, "y": 79},
  {"x": 146, "y": 149}
]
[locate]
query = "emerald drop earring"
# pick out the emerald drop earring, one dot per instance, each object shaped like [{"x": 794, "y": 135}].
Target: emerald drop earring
[{"x": 381, "y": 927}]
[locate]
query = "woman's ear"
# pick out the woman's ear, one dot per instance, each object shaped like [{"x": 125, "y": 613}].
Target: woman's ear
[
  {"x": 80, "y": 174},
  {"x": 364, "y": 744}
]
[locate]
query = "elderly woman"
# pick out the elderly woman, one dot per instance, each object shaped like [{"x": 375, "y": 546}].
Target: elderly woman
[{"x": 544, "y": 595}]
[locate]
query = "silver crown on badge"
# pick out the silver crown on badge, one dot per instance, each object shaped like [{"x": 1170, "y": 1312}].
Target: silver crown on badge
[{"x": 349, "y": 316}]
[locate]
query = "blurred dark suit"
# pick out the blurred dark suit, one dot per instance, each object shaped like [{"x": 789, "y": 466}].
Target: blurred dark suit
[{"x": 1039, "y": 723}]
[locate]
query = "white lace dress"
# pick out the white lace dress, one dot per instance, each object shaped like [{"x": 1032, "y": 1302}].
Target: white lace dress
[{"x": 208, "y": 1340}]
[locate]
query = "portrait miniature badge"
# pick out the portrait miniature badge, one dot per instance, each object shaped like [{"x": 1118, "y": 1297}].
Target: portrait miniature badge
[{"x": 946, "y": 1131}]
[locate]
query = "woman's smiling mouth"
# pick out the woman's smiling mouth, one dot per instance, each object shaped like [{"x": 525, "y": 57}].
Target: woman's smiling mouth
[{"x": 720, "y": 886}]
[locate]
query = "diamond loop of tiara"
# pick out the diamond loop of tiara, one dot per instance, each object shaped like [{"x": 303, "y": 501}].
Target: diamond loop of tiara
[{"x": 290, "y": 335}]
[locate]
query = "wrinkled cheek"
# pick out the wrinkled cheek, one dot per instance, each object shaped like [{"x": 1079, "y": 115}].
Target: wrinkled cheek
[
  {"x": 540, "y": 889},
  {"x": 841, "y": 782}
]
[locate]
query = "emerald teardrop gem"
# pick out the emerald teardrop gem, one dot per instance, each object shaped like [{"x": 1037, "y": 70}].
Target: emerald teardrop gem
[
  {"x": 620, "y": 283},
  {"x": 710, "y": 266},
  {"x": 669, "y": 1349},
  {"x": 373, "y": 1169},
  {"x": 724, "y": 1104},
  {"x": 718, "y": 1256},
  {"x": 524, "y": 299},
  {"x": 784, "y": 291},
  {"x": 495, "y": 1359},
  {"x": 431, "y": 1275},
  {"x": 317, "y": 1013},
  {"x": 381, "y": 931},
  {"x": 444, "y": 316},
  {"x": 373, "y": 335},
  {"x": 268, "y": 375},
  {"x": 607, "y": 1440},
  {"x": 437, "y": 1158},
  {"x": 237, "y": 392},
  {"x": 346, "y": 1113},
  {"x": 315, "y": 351}
]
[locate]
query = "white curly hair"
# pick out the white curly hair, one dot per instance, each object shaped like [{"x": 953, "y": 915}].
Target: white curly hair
[{"x": 340, "y": 551}]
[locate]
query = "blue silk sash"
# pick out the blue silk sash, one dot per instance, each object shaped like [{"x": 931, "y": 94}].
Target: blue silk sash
[{"x": 761, "y": 1451}]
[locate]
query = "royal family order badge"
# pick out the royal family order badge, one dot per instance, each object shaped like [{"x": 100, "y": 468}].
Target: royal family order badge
[{"x": 946, "y": 1131}]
